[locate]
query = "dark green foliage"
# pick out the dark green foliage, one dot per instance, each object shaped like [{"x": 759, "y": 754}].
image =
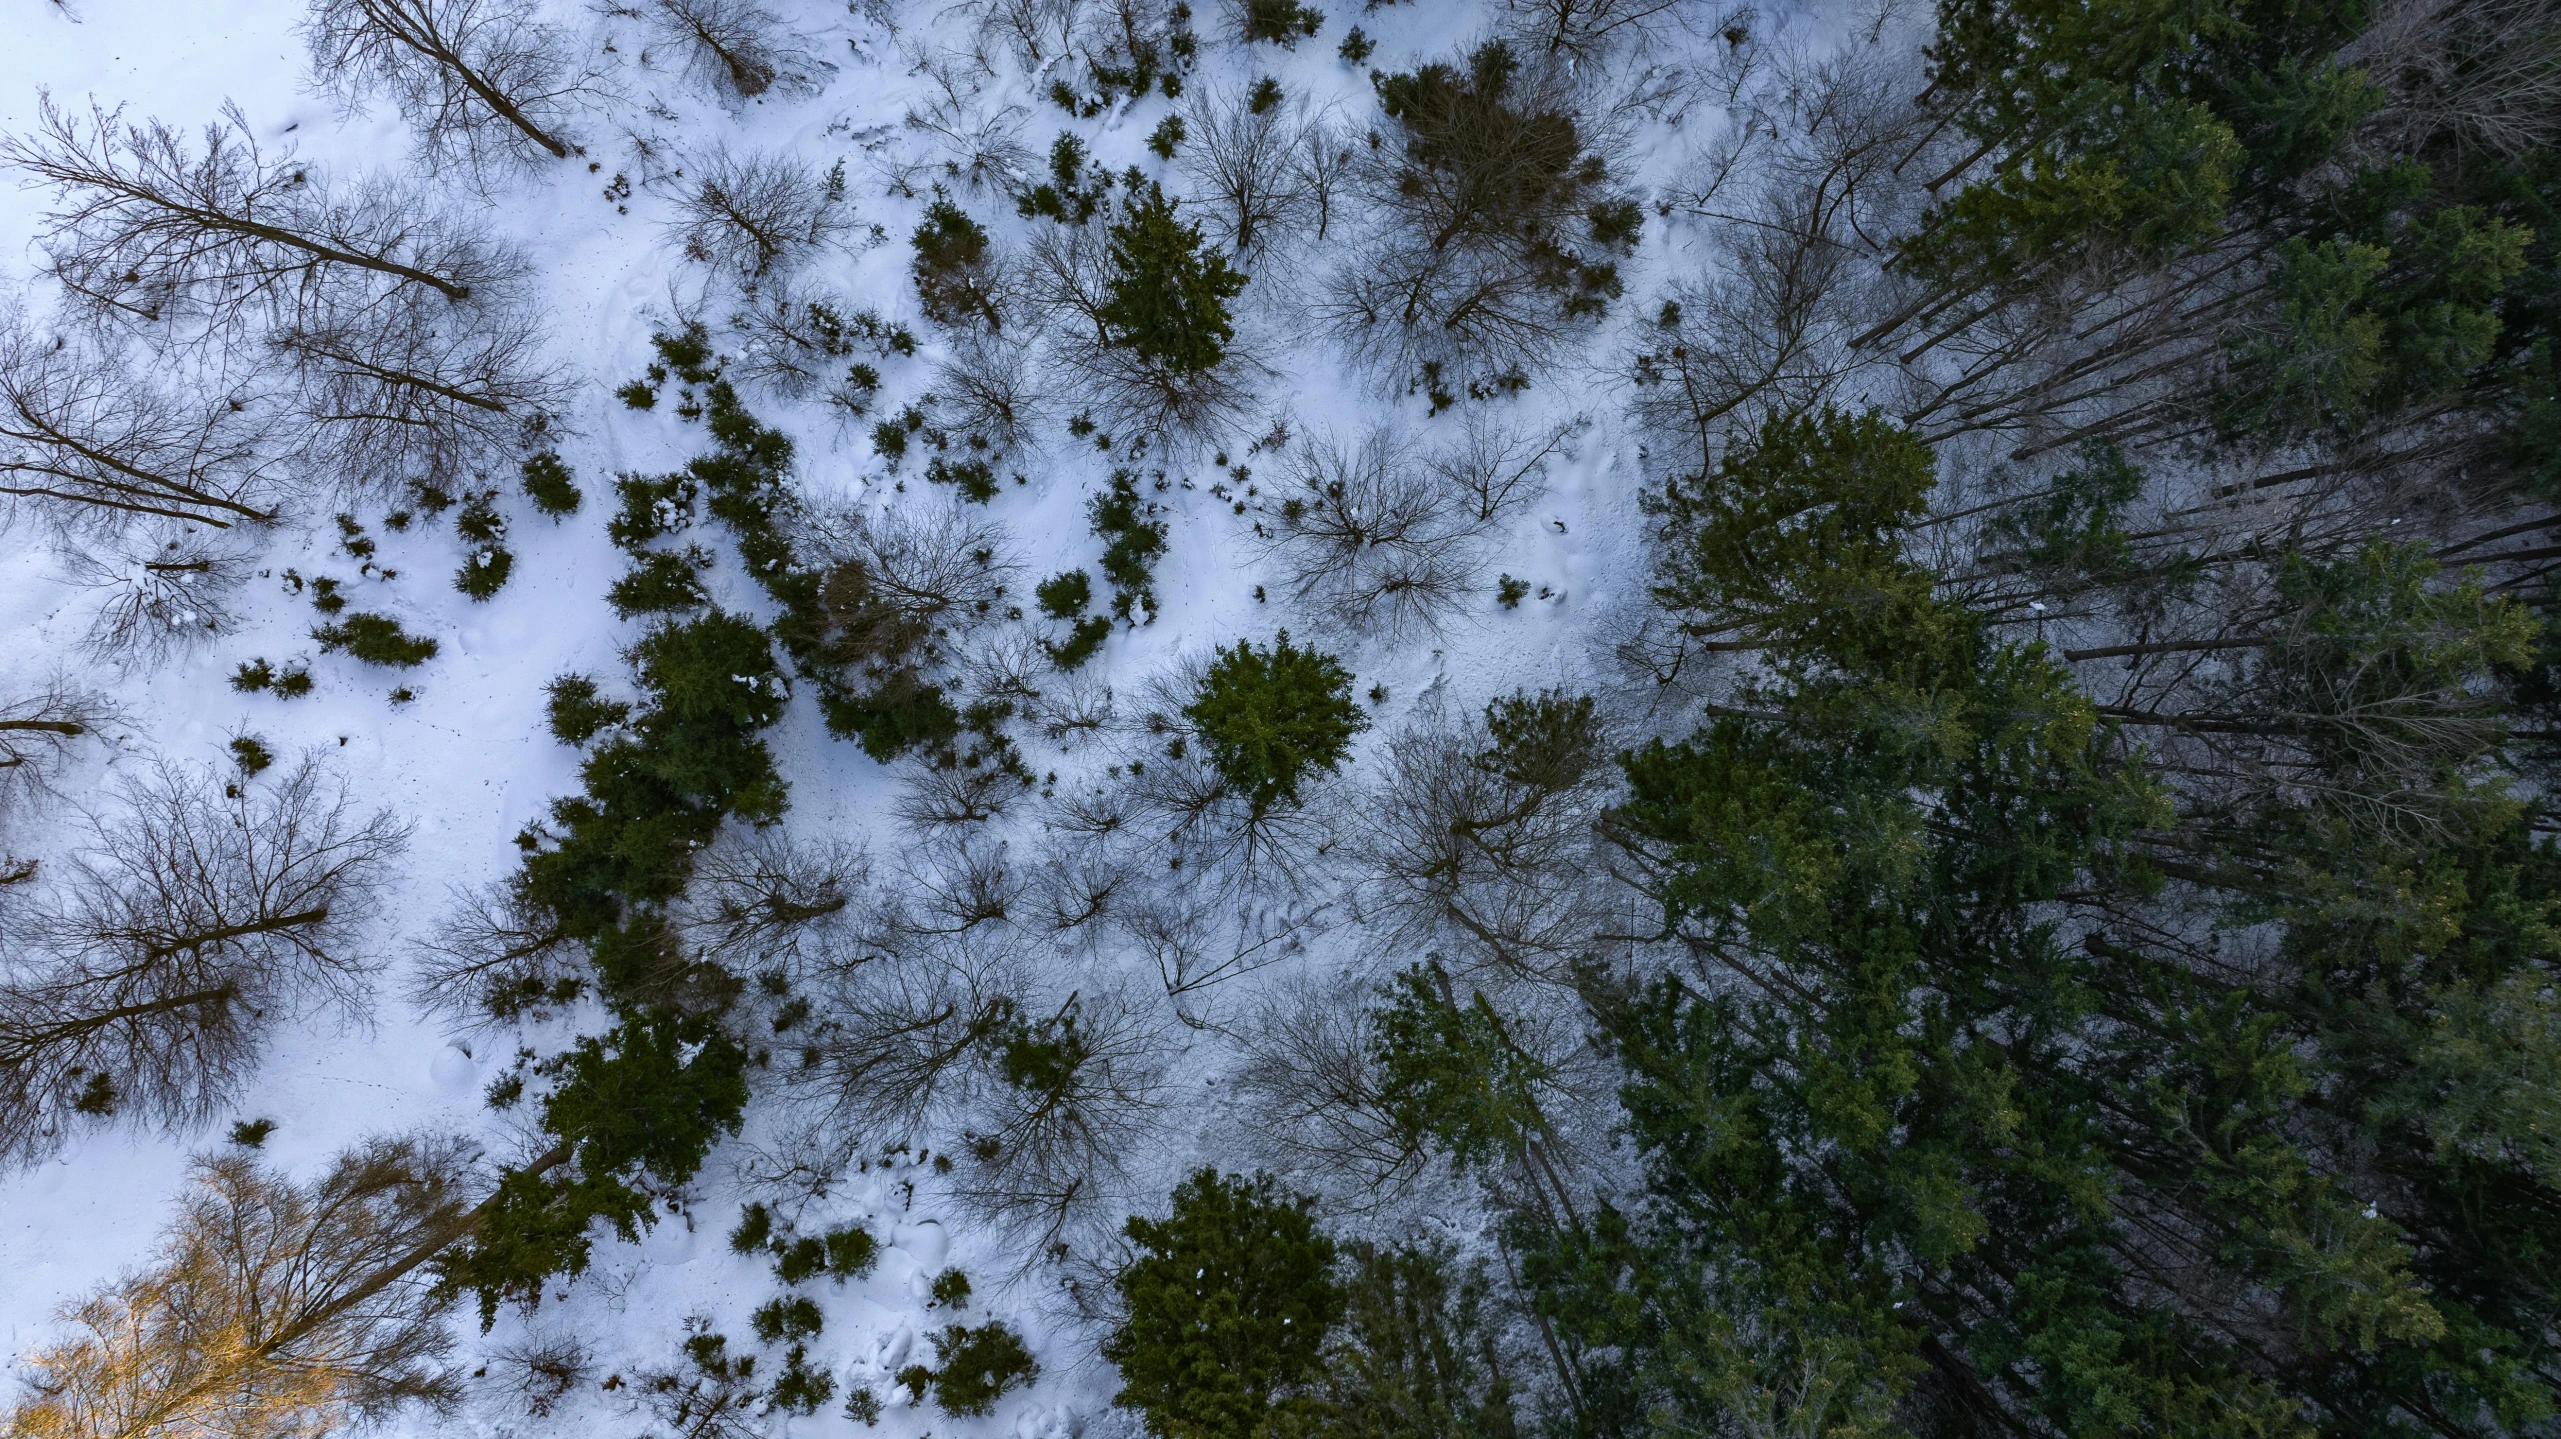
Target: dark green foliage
[
  {"x": 376, "y": 640},
  {"x": 548, "y": 483},
  {"x": 1450, "y": 1076},
  {"x": 1133, "y": 541},
  {"x": 252, "y": 1133},
  {"x": 97, "y": 1096},
  {"x": 975, "y": 479},
  {"x": 1228, "y": 1302},
  {"x": 326, "y": 595},
  {"x": 1268, "y": 717},
  {"x": 974, "y": 1367},
  {"x": 1166, "y": 137},
  {"x": 1496, "y": 165},
  {"x": 952, "y": 266},
  {"x": 1168, "y": 292},
  {"x": 646, "y": 1099},
  {"x": 951, "y": 1290},
  {"x": 255, "y": 676},
  {"x": 790, "y": 1317},
  {"x": 1064, "y": 596},
  {"x": 1083, "y": 642},
  {"x": 1281, "y": 22},
  {"x": 637, "y": 395},
  {"x": 800, "y": 1389},
  {"x": 652, "y": 506},
  {"x": 661, "y": 582},
  {"x": 488, "y": 564},
  {"x": 1509, "y": 592},
  {"x": 251, "y": 754},
  {"x": 797, "y": 1261},
  {"x": 755, "y": 1226},
  {"x": 863, "y": 1405},
  {"x": 1068, "y": 196},
  {"x": 1357, "y": 47},
  {"x": 1414, "y": 1357},
  {"x": 851, "y": 1252},
  {"x": 577, "y": 712}
]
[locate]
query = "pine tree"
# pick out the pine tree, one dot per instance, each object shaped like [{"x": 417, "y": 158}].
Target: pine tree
[{"x": 1168, "y": 290}]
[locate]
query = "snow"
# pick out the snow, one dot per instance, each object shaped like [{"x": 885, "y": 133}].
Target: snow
[{"x": 469, "y": 762}]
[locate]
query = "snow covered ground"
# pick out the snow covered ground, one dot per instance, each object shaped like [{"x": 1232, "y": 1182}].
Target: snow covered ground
[{"x": 469, "y": 761}]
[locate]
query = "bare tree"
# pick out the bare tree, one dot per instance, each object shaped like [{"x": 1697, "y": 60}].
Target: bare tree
[
  {"x": 1372, "y": 536},
  {"x": 271, "y": 1308},
  {"x": 38, "y": 734},
  {"x": 1498, "y": 467},
  {"x": 152, "y": 230},
  {"x": 1244, "y": 163},
  {"x": 755, "y": 214},
  {"x": 198, "y": 918},
  {"x": 91, "y": 443},
  {"x": 406, "y": 388},
  {"x": 801, "y": 344},
  {"x": 758, "y": 901},
  {"x": 495, "y": 957},
  {"x": 1067, "y": 1100},
  {"x": 738, "y": 48},
  {"x": 160, "y": 592},
  {"x": 949, "y": 796},
  {"x": 1068, "y": 276},
  {"x": 901, "y": 1026},
  {"x": 474, "y": 78},
  {"x": 1308, "y": 1076},
  {"x": 988, "y": 391},
  {"x": 1590, "y": 29},
  {"x": 1478, "y": 837}
]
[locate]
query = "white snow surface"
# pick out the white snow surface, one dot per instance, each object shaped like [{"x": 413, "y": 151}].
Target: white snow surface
[{"x": 469, "y": 762}]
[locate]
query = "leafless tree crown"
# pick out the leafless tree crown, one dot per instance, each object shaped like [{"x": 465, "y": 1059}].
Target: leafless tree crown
[
  {"x": 476, "y": 79},
  {"x": 200, "y": 915}
]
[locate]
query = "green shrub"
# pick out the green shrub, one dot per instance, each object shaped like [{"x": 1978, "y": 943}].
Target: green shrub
[
  {"x": 790, "y": 1317},
  {"x": 486, "y": 572},
  {"x": 376, "y": 640},
  {"x": 975, "y": 479},
  {"x": 1268, "y": 717},
  {"x": 548, "y": 483},
  {"x": 974, "y": 1368},
  {"x": 951, "y": 266},
  {"x": 851, "y": 1252},
  {"x": 1228, "y": 1303},
  {"x": 1064, "y": 596},
  {"x": 1167, "y": 295},
  {"x": 661, "y": 583},
  {"x": 755, "y": 1226},
  {"x": 251, "y": 754},
  {"x": 652, "y": 506},
  {"x": 1133, "y": 542},
  {"x": 951, "y": 1289},
  {"x": 1281, "y": 22},
  {"x": 800, "y": 1389},
  {"x": 800, "y": 1260},
  {"x": 577, "y": 713}
]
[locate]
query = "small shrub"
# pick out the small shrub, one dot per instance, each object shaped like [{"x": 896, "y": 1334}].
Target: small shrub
[
  {"x": 486, "y": 572},
  {"x": 548, "y": 484},
  {"x": 801, "y": 1259},
  {"x": 851, "y": 1252},
  {"x": 800, "y": 1389},
  {"x": 376, "y": 640},
  {"x": 1133, "y": 542},
  {"x": 1281, "y": 22},
  {"x": 252, "y": 1133},
  {"x": 258, "y": 675},
  {"x": 975, "y": 479},
  {"x": 1267, "y": 717},
  {"x": 951, "y": 1289},
  {"x": 976, "y": 1367},
  {"x": 1166, "y": 137},
  {"x": 791, "y": 1317},
  {"x": 1357, "y": 47},
  {"x": 577, "y": 713},
  {"x": 755, "y": 1226},
  {"x": 652, "y": 505},
  {"x": 1064, "y": 596},
  {"x": 863, "y": 1405},
  {"x": 661, "y": 583},
  {"x": 1082, "y": 643},
  {"x": 325, "y": 596},
  {"x": 251, "y": 754},
  {"x": 638, "y": 395},
  {"x": 1508, "y": 592}
]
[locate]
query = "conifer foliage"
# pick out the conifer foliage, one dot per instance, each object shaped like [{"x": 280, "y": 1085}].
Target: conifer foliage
[{"x": 1168, "y": 290}]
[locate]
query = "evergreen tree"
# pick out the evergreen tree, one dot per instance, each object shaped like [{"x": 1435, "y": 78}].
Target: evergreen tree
[
  {"x": 1269, "y": 716},
  {"x": 1168, "y": 290},
  {"x": 1229, "y": 1301}
]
